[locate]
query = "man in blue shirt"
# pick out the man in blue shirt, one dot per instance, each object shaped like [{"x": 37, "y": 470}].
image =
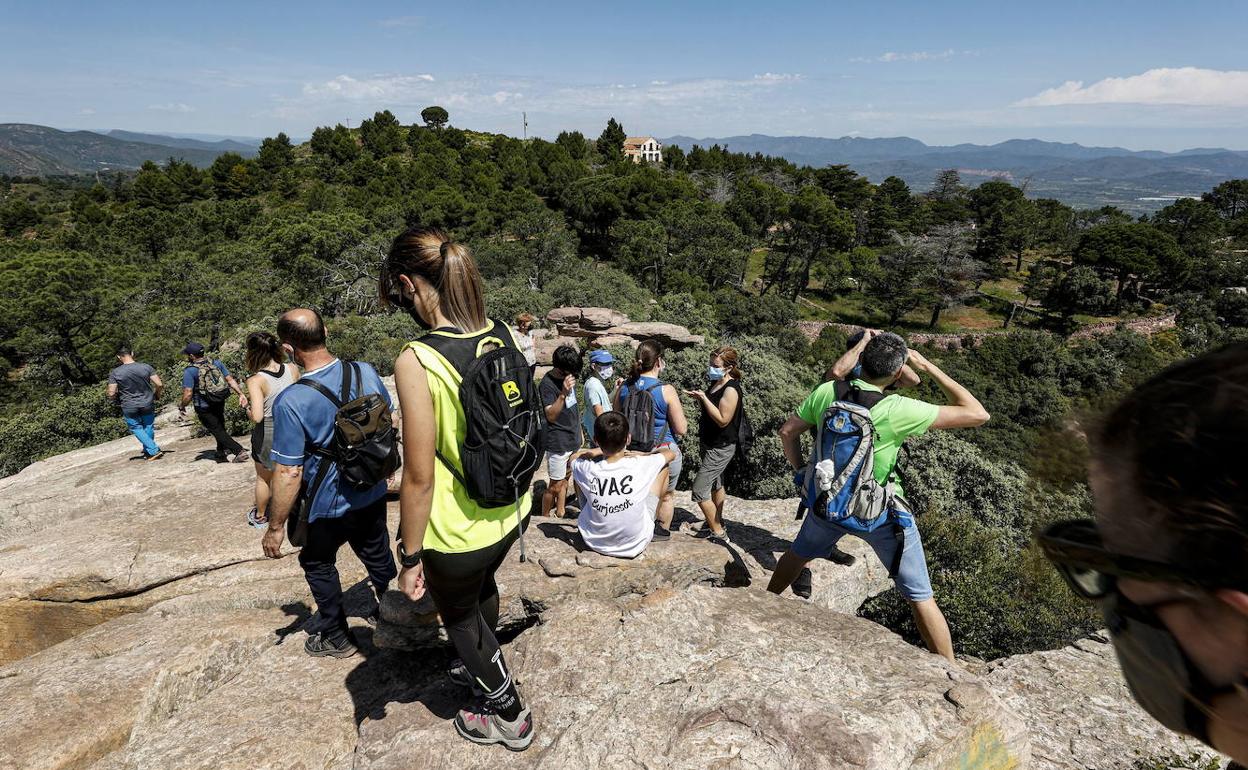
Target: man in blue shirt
[
  {"x": 303, "y": 420},
  {"x": 207, "y": 383}
]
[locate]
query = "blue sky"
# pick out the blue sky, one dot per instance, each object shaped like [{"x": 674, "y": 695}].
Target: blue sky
[{"x": 1138, "y": 74}]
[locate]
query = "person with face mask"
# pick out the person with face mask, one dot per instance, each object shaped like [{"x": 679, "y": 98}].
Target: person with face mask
[
  {"x": 597, "y": 385},
  {"x": 668, "y": 419},
  {"x": 450, "y": 542},
  {"x": 1166, "y": 557},
  {"x": 718, "y": 434}
]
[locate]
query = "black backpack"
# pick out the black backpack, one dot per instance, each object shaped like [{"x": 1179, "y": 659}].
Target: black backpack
[
  {"x": 502, "y": 446},
  {"x": 638, "y": 408},
  {"x": 365, "y": 444}
]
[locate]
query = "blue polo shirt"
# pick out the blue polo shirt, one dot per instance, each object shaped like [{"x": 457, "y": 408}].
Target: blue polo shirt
[
  {"x": 303, "y": 419},
  {"x": 190, "y": 378}
]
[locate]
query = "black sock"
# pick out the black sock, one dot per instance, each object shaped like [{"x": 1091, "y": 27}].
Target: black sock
[{"x": 507, "y": 705}]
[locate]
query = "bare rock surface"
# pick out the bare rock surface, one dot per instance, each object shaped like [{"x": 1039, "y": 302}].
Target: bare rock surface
[
  {"x": 708, "y": 677},
  {"x": 143, "y": 629},
  {"x": 670, "y": 335},
  {"x": 1079, "y": 712}
]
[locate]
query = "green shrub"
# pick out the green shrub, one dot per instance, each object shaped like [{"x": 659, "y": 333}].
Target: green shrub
[{"x": 56, "y": 424}]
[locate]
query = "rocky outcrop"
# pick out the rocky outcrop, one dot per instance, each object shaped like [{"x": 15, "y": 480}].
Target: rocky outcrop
[
  {"x": 145, "y": 630},
  {"x": 1079, "y": 712},
  {"x": 603, "y": 327}
]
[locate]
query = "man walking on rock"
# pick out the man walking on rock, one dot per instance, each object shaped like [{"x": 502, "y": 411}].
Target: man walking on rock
[
  {"x": 894, "y": 418},
  {"x": 207, "y": 383},
  {"x": 338, "y": 513},
  {"x": 136, "y": 387}
]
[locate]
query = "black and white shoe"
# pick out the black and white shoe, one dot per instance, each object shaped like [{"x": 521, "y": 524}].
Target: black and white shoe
[{"x": 320, "y": 646}]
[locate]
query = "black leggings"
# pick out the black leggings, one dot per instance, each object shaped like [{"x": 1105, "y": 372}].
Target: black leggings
[{"x": 463, "y": 588}]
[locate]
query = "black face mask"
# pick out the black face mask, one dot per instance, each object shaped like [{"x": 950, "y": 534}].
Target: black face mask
[
  {"x": 409, "y": 306},
  {"x": 1162, "y": 678}
]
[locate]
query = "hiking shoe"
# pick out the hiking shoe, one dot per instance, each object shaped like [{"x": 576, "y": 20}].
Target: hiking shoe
[
  {"x": 159, "y": 454},
  {"x": 255, "y": 520},
  {"x": 802, "y": 586},
  {"x": 661, "y": 534},
  {"x": 241, "y": 457},
  {"x": 486, "y": 727},
  {"x": 837, "y": 556},
  {"x": 320, "y": 645}
]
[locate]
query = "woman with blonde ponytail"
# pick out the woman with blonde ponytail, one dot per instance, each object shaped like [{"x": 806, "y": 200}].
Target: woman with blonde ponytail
[{"x": 451, "y": 544}]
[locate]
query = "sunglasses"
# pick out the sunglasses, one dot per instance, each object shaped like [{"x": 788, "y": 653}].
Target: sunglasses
[{"x": 1092, "y": 571}]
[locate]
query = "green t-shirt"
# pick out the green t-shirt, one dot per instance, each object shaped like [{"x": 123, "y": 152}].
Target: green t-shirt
[{"x": 896, "y": 418}]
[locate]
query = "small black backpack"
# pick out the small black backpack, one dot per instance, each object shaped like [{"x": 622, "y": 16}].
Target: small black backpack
[
  {"x": 365, "y": 444},
  {"x": 505, "y": 422},
  {"x": 638, "y": 408}
]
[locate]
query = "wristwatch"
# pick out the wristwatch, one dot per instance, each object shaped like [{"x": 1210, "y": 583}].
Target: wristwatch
[{"x": 408, "y": 560}]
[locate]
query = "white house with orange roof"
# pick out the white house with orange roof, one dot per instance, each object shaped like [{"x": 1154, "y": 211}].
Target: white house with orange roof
[{"x": 643, "y": 149}]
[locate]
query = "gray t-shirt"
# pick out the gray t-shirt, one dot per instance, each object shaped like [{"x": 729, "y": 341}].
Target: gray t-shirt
[{"x": 135, "y": 393}]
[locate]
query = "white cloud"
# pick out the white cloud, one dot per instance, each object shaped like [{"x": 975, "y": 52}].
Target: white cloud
[
  {"x": 87, "y": 111},
  {"x": 1164, "y": 85},
  {"x": 384, "y": 87},
  {"x": 171, "y": 107},
  {"x": 399, "y": 22},
  {"x": 911, "y": 56}
]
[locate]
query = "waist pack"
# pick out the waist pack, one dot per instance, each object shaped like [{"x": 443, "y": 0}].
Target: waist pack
[
  {"x": 210, "y": 383},
  {"x": 840, "y": 484},
  {"x": 364, "y": 446},
  {"x": 638, "y": 408}
]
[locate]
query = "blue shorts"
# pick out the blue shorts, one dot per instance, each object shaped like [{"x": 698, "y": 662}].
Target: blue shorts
[{"x": 817, "y": 538}]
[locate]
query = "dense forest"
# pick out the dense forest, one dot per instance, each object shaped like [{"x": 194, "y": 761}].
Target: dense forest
[{"x": 736, "y": 247}]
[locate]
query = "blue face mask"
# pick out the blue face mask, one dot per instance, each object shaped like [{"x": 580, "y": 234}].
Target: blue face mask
[{"x": 715, "y": 373}]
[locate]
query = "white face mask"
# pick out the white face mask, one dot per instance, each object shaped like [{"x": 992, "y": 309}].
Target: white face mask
[{"x": 606, "y": 372}]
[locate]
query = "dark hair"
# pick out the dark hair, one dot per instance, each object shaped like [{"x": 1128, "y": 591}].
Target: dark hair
[
  {"x": 883, "y": 356},
  {"x": 300, "y": 334},
  {"x": 1178, "y": 442},
  {"x": 447, "y": 266},
  {"x": 611, "y": 432},
  {"x": 124, "y": 349},
  {"x": 568, "y": 358},
  {"x": 262, "y": 348},
  {"x": 732, "y": 361},
  {"x": 646, "y": 358}
]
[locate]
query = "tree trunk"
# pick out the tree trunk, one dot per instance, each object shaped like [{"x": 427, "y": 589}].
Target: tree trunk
[
  {"x": 80, "y": 372},
  {"x": 935, "y": 315},
  {"x": 1018, "y": 266}
]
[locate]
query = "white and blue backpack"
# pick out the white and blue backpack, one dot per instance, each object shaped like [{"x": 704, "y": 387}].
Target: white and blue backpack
[{"x": 840, "y": 484}]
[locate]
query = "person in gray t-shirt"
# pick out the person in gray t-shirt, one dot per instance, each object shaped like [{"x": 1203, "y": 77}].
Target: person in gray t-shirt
[{"x": 136, "y": 387}]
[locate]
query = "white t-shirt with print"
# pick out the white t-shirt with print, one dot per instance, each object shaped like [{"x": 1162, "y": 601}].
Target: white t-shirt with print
[{"x": 617, "y": 517}]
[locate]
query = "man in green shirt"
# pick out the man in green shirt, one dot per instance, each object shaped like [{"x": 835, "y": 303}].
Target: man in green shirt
[{"x": 895, "y": 418}]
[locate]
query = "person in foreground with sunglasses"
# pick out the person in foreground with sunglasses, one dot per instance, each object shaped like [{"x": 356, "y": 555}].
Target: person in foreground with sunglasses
[{"x": 1167, "y": 557}]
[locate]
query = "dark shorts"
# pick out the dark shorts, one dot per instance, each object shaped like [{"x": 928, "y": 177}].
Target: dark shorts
[{"x": 262, "y": 443}]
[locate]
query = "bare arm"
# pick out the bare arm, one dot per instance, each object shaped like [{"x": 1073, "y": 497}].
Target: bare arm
[
  {"x": 158, "y": 386},
  {"x": 255, "y": 389},
  {"x": 675, "y": 412},
  {"x": 186, "y": 398},
  {"x": 112, "y": 391},
  {"x": 963, "y": 409},
  {"x": 556, "y": 407},
  {"x": 234, "y": 386},
  {"x": 721, "y": 415},
  {"x": 286, "y": 482},
  {"x": 791, "y": 440},
  {"x": 843, "y": 366},
  {"x": 419, "y": 448}
]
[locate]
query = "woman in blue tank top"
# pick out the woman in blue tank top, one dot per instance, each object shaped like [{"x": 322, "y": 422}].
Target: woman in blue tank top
[{"x": 669, "y": 421}]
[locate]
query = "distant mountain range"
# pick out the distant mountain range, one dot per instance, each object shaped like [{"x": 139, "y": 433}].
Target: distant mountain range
[
  {"x": 1081, "y": 176},
  {"x": 29, "y": 150}
]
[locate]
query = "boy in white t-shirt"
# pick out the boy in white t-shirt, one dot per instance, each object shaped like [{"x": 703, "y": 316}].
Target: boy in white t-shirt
[{"x": 619, "y": 490}]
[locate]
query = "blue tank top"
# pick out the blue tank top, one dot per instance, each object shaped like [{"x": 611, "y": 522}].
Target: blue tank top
[{"x": 662, "y": 434}]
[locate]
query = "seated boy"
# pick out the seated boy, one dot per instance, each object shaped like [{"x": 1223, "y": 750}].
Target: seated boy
[{"x": 619, "y": 490}]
